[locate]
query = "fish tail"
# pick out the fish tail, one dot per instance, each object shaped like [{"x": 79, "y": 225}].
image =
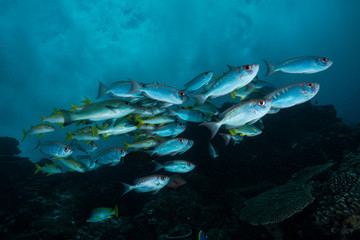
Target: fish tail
[
  {"x": 128, "y": 188},
  {"x": 141, "y": 122},
  {"x": 135, "y": 87},
  {"x": 116, "y": 211},
  {"x": 94, "y": 131},
  {"x": 171, "y": 112},
  {"x": 42, "y": 119},
  {"x": 226, "y": 138},
  {"x": 102, "y": 90},
  {"x": 74, "y": 107},
  {"x": 212, "y": 126},
  {"x": 61, "y": 125},
  {"x": 270, "y": 68},
  {"x": 86, "y": 101},
  {"x": 200, "y": 98},
  {"x": 233, "y": 132},
  {"x": 37, "y": 168},
  {"x": 38, "y": 145},
  {"x": 69, "y": 117},
  {"x": 69, "y": 136},
  {"x": 24, "y": 135},
  {"x": 158, "y": 166},
  {"x": 127, "y": 145},
  {"x": 233, "y": 95}
]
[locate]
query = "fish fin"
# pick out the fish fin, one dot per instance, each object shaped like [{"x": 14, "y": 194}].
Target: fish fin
[
  {"x": 171, "y": 112},
  {"x": 270, "y": 68},
  {"x": 135, "y": 87},
  {"x": 24, "y": 135},
  {"x": 141, "y": 122},
  {"x": 61, "y": 125},
  {"x": 230, "y": 67},
  {"x": 233, "y": 95},
  {"x": 226, "y": 138},
  {"x": 49, "y": 174},
  {"x": 102, "y": 90},
  {"x": 127, "y": 145},
  {"x": 37, "y": 168},
  {"x": 38, "y": 145},
  {"x": 116, "y": 211},
  {"x": 212, "y": 126},
  {"x": 111, "y": 108},
  {"x": 41, "y": 134},
  {"x": 69, "y": 136},
  {"x": 42, "y": 118},
  {"x": 200, "y": 98},
  {"x": 241, "y": 134},
  {"x": 233, "y": 132},
  {"x": 128, "y": 188},
  {"x": 216, "y": 78},
  {"x": 56, "y": 110},
  {"x": 69, "y": 117},
  {"x": 188, "y": 107},
  {"x": 106, "y": 137},
  {"x": 155, "y": 191},
  {"x": 158, "y": 166}
]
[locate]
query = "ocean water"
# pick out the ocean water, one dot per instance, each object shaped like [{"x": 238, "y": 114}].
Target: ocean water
[{"x": 53, "y": 53}]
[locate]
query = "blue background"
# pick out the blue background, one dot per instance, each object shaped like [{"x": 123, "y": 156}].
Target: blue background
[{"x": 53, "y": 52}]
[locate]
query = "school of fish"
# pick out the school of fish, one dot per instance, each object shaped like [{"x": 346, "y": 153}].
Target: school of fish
[{"x": 153, "y": 115}]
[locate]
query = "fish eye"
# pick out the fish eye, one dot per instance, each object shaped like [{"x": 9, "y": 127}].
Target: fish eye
[
  {"x": 181, "y": 140},
  {"x": 206, "y": 73},
  {"x": 163, "y": 178},
  {"x": 309, "y": 84},
  {"x": 202, "y": 114},
  {"x": 247, "y": 67},
  {"x": 324, "y": 60},
  {"x": 180, "y": 124},
  {"x": 189, "y": 164},
  {"x": 261, "y": 103},
  {"x": 181, "y": 94},
  {"x": 66, "y": 149},
  {"x": 127, "y": 103}
]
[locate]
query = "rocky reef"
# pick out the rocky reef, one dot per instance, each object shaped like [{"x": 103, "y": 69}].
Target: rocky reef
[{"x": 230, "y": 197}]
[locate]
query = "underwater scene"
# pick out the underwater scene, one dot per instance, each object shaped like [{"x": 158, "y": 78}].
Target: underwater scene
[{"x": 187, "y": 120}]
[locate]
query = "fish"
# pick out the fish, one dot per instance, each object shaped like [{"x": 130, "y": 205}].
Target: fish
[
  {"x": 50, "y": 169},
  {"x": 176, "y": 166},
  {"x": 240, "y": 114},
  {"x": 87, "y": 160},
  {"x": 55, "y": 117},
  {"x": 39, "y": 129},
  {"x": 175, "y": 181},
  {"x": 234, "y": 79},
  {"x": 155, "y": 120},
  {"x": 110, "y": 156},
  {"x": 161, "y": 93},
  {"x": 72, "y": 164},
  {"x": 117, "y": 89},
  {"x": 167, "y": 130},
  {"x": 199, "y": 81},
  {"x": 227, "y": 137},
  {"x": 188, "y": 115},
  {"x": 170, "y": 147},
  {"x": 114, "y": 129},
  {"x": 147, "y": 184},
  {"x": 100, "y": 111},
  {"x": 86, "y": 147},
  {"x": 144, "y": 143},
  {"x": 305, "y": 65},
  {"x": 207, "y": 108},
  {"x": 54, "y": 149},
  {"x": 202, "y": 235},
  {"x": 246, "y": 130},
  {"x": 212, "y": 151},
  {"x": 292, "y": 95},
  {"x": 103, "y": 213},
  {"x": 82, "y": 136},
  {"x": 244, "y": 92}
]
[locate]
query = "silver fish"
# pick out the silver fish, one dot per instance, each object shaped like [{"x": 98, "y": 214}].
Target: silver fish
[{"x": 148, "y": 184}]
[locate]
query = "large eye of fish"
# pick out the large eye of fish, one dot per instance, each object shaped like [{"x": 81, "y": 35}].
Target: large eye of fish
[
  {"x": 310, "y": 85},
  {"x": 189, "y": 164},
  {"x": 66, "y": 149},
  {"x": 181, "y": 140},
  {"x": 180, "y": 124},
  {"x": 127, "y": 103},
  {"x": 181, "y": 94},
  {"x": 324, "y": 60},
  {"x": 121, "y": 151},
  {"x": 206, "y": 73},
  {"x": 92, "y": 144},
  {"x": 247, "y": 67},
  {"x": 261, "y": 103},
  {"x": 163, "y": 178}
]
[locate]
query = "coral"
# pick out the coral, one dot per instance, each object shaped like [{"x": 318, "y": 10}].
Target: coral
[
  {"x": 283, "y": 201},
  {"x": 339, "y": 210}
]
